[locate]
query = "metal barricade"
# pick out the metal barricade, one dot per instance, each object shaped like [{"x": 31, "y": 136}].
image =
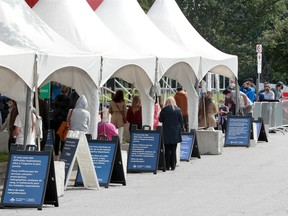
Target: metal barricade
[
  {"x": 285, "y": 113},
  {"x": 274, "y": 114}
]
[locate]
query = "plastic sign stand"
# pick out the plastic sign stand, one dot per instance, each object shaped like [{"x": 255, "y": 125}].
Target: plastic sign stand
[
  {"x": 259, "y": 133},
  {"x": 143, "y": 155},
  {"x": 30, "y": 180},
  {"x": 188, "y": 146},
  {"x": 76, "y": 146},
  {"x": 107, "y": 159},
  {"x": 238, "y": 131}
]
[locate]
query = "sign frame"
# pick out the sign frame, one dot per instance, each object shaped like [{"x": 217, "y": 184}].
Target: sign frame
[
  {"x": 113, "y": 168},
  {"x": 239, "y": 141},
  {"x": 47, "y": 179},
  {"x": 133, "y": 168},
  {"x": 188, "y": 155}
]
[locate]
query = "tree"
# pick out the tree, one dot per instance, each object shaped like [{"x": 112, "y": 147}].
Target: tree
[{"x": 236, "y": 27}]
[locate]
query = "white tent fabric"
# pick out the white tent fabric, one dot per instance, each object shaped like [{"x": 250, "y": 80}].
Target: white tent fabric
[
  {"x": 58, "y": 60},
  {"x": 76, "y": 22},
  {"x": 129, "y": 22},
  {"x": 16, "y": 69},
  {"x": 168, "y": 17}
]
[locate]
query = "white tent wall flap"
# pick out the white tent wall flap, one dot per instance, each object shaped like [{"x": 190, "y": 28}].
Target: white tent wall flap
[
  {"x": 168, "y": 17},
  {"x": 129, "y": 22},
  {"x": 76, "y": 22},
  {"x": 16, "y": 69},
  {"x": 21, "y": 27}
]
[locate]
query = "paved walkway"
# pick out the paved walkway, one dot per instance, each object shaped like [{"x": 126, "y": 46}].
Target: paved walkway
[{"x": 242, "y": 181}]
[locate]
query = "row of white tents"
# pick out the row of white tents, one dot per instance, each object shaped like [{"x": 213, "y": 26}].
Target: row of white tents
[{"x": 72, "y": 45}]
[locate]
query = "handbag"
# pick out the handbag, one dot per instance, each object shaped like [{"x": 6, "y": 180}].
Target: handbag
[
  {"x": 122, "y": 113},
  {"x": 64, "y": 128}
]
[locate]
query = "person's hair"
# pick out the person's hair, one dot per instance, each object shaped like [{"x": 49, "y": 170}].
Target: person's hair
[
  {"x": 179, "y": 87},
  {"x": 136, "y": 103},
  {"x": 64, "y": 89},
  {"x": 170, "y": 101},
  {"x": 226, "y": 91},
  {"x": 119, "y": 96}
]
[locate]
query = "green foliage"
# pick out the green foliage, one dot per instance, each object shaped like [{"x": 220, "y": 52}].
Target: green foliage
[
  {"x": 4, "y": 157},
  {"x": 236, "y": 27}
]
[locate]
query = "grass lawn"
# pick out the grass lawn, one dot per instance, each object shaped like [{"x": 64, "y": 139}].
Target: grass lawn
[{"x": 4, "y": 157}]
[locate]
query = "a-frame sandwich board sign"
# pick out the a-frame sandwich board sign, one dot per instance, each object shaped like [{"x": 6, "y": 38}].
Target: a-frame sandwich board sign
[
  {"x": 30, "y": 180},
  {"x": 107, "y": 160},
  {"x": 189, "y": 146},
  {"x": 161, "y": 161},
  {"x": 259, "y": 133},
  {"x": 143, "y": 155},
  {"x": 76, "y": 146},
  {"x": 238, "y": 131}
]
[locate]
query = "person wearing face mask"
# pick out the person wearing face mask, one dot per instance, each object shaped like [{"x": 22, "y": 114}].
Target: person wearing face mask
[
  {"x": 222, "y": 115},
  {"x": 267, "y": 94}
]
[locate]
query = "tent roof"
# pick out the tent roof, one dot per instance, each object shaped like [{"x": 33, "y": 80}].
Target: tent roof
[
  {"x": 21, "y": 27},
  {"x": 168, "y": 17},
  {"x": 76, "y": 22},
  {"x": 20, "y": 61},
  {"x": 129, "y": 22}
]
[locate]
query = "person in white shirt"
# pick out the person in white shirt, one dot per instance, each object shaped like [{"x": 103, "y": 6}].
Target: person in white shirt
[
  {"x": 268, "y": 94},
  {"x": 18, "y": 132}
]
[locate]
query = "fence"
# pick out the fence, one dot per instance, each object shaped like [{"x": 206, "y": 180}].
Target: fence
[{"x": 274, "y": 114}]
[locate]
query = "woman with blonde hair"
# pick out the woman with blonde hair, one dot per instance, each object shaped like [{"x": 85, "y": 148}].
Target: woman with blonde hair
[
  {"x": 134, "y": 113},
  {"x": 172, "y": 121}
]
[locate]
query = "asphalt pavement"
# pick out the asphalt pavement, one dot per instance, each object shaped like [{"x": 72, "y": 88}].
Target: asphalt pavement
[{"x": 241, "y": 181}]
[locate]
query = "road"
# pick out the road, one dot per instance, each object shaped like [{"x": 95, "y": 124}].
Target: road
[{"x": 241, "y": 181}]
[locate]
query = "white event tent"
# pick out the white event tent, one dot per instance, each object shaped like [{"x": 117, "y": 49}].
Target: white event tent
[
  {"x": 57, "y": 59},
  {"x": 168, "y": 17},
  {"x": 129, "y": 22},
  {"x": 77, "y": 22},
  {"x": 16, "y": 69}
]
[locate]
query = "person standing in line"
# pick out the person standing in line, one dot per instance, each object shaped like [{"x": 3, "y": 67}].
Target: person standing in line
[
  {"x": 157, "y": 108},
  {"x": 105, "y": 128},
  {"x": 278, "y": 90},
  {"x": 80, "y": 117},
  {"x": 222, "y": 115},
  {"x": 268, "y": 94},
  {"x": 18, "y": 132},
  {"x": 172, "y": 122},
  {"x": 9, "y": 122},
  {"x": 44, "y": 113},
  {"x": 181, "y": 99},
  {"x": 61, "y": 109},
  {"x": 134, "y": 113},
  {"x": 118, "y": 111},
  {"x": 248, "y": 90},
  {"x": 207, "y": 110}
]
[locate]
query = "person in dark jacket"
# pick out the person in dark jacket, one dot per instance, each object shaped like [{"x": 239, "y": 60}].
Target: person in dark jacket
[
  {"x": 61, "y": 109},
  {"x": 44, "y": 113},
  {"x": 172, "y": 121}
]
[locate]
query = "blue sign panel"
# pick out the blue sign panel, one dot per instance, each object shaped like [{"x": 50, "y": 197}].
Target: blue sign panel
[
  {"x": 186, "y": 146},
  {"x": 238, "y": 131},
  {"x": 143, "y": 151},
  {"x": 103, "y": 156},
  {"x": 26, "y": 179},
  {"x": 50, "y": 138},
  {"x": 68, "y": 153}
]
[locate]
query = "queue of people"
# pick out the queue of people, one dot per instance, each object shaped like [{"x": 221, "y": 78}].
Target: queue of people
[{"x": 173, "y": 116}]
